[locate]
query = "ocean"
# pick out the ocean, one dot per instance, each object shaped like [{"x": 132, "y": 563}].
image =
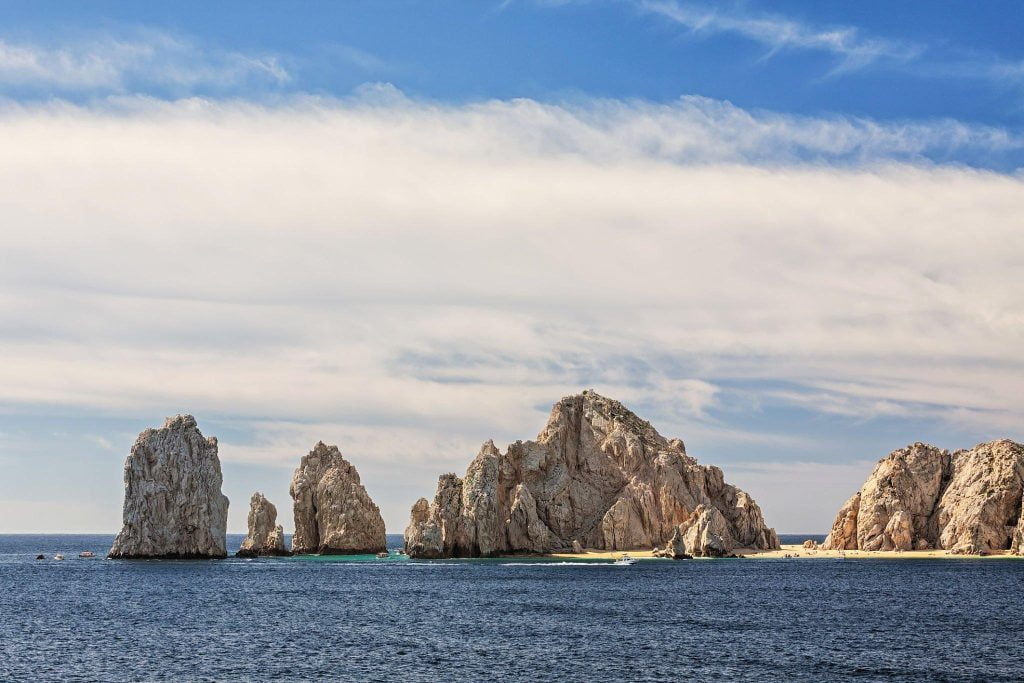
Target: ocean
[{"x": 363, "y": 619}]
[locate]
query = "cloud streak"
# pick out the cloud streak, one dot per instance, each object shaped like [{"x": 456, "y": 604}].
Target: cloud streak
[
  {"x": 777, "y": 33},
  {"x": 145, "y": 58}
]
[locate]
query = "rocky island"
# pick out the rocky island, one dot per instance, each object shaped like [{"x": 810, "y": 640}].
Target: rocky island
[
  {"x": 266, "y": 536},
  {"x": 334, "y": 514},
  {"x": 173, "y": 505},
  {"x": 598, "y": 476},
  {"x": 922, "y": 497}
]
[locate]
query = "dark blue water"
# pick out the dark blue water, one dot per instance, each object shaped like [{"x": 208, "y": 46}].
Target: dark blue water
[{"x": 368, "y": 619}]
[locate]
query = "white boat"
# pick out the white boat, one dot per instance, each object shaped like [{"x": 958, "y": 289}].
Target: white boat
[
  {"x": 625, "y": 560},
  {"x": 58, "y": 556},
  {"x": 87, "y": 553}
]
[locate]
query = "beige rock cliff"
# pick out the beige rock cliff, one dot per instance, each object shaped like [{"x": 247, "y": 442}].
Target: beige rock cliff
[
  {"x": 266, "y": 536},
  {"x": 333, "y": 513},
  {"x": 596, "y": 474},
  {"x": 173, "y": 505},
  {"x": 923, "y": 497},
  {"x": 705, "y": 533}
]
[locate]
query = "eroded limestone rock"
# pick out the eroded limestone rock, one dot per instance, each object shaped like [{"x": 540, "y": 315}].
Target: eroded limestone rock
[
  {"x": 334, "y": 515},
  {"x": 704, "y": 534},
  {"x": 922, "y": 497},
  {"x": 597, "y": 474},
  {"x": 266, "y": 536},
  {"x": 173, "y": 505},
  {"x": 1017, "y": 544}
]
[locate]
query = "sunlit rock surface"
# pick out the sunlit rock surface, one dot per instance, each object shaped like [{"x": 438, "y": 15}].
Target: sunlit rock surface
[
  {"x": 173, "y": 505},
  {"x": 921, "y": 497},
  {"x": 597, "y": 475},
  {"x": 334, "y": 514}
]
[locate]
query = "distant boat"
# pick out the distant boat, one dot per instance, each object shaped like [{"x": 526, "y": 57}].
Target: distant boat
[
  {"x": 58, "y": 557},
  {"x": 382, "y": 555},
  {"x": 87, "y": 553},
  {"x": 625, "y": 560}
]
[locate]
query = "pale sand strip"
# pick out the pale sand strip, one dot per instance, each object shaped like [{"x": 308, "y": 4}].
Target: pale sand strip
[{"x": 799, "y": 552}]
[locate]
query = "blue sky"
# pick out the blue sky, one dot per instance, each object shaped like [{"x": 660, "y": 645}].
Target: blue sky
[
  {"x": 872, "y": 59},
  {"x": 787, "y": 233}
]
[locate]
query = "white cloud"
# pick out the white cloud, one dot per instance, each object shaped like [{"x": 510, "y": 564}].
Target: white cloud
[
  {"x": 409, "y": 279},
  {"x": 132, "y": 62}
]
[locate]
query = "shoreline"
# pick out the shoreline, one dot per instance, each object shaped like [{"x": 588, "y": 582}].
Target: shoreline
[{"x": 798, "y": 552}]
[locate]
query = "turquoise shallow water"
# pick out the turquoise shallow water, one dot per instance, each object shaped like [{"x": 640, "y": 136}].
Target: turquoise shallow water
[{"x": 366, "y": 619}]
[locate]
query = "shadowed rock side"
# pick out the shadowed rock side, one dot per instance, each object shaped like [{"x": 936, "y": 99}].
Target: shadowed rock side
[
  {"x": 173, "y": 505},
  {"x": 597, "y": 476},
  {"x": 333, "y": 513},
  {"x": 920, "y": 497},
  {"x": 266, "y": 536}
]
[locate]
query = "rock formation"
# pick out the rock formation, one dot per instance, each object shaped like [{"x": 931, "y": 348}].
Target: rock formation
[
  {"x": 597, "y": 475},
  {"x": 919, "y": 497},
  {"x": 705, "y": 533},
  {"x": 1017, "y": 544},
  {"x": 333, "y": 513},
  {"x": 266, "y": 536},
  {"x": 173, "y": 505}
]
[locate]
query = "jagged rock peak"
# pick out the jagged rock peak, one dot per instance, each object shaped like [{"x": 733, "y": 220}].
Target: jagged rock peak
[
  {"x": 173, "y": 505},
  {"x": 922, "y": 496},
  {"x": 266, "y": 536},
  {"x": 334, "y": 514},
  {"x": 606, "y": 415},
  {"x": 597, "y": 474}
]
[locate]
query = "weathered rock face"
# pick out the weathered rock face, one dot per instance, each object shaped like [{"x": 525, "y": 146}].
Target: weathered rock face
[
  {"x": 921, "y": 496},
  {"x": 1017, "y": 545},
  {"x": 173, "y": 505},
  {"x": 597, "y": 474},
  {"x": 333, "y": 513},
  {"x": 843, "y": 535},
  {"x": 266, "y": 536},
  {"x": 423, "y": 535},
  {"x": 705, "y": 533},
  {"x": 981, "y": 506}
]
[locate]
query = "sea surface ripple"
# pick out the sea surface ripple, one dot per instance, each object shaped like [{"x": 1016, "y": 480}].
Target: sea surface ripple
[{"x": 504, "y": 620}]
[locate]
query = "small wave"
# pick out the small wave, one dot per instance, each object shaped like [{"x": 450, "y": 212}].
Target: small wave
[{"x": 557, "y": 564}]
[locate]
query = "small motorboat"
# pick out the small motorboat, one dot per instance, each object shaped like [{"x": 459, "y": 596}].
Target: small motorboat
[
  {"x": 87, "y": 553},
  {"x": 382, "y": 555},
  {"x": 58, "y": 557},
  {"x": 625, "y": 560}
]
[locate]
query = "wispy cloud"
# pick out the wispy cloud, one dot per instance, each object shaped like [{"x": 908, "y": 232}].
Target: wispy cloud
[
  {"x": 848, "y": 43},
  {"x": 129, "y": 63},
  {"x": 852, "y": 47}
]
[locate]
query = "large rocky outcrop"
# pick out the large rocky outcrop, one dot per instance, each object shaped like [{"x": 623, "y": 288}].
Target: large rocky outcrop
[
  {"x": 924, "y": 497},
  {"x": 266, "y": 536},
  {"x": 597, "y": 475},
  {"x": 173, "y": 505},
  {"x": 333, "y": 513}
]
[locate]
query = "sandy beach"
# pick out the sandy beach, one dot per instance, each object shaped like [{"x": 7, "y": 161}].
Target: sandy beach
[{"x": 801, "y": 553}]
